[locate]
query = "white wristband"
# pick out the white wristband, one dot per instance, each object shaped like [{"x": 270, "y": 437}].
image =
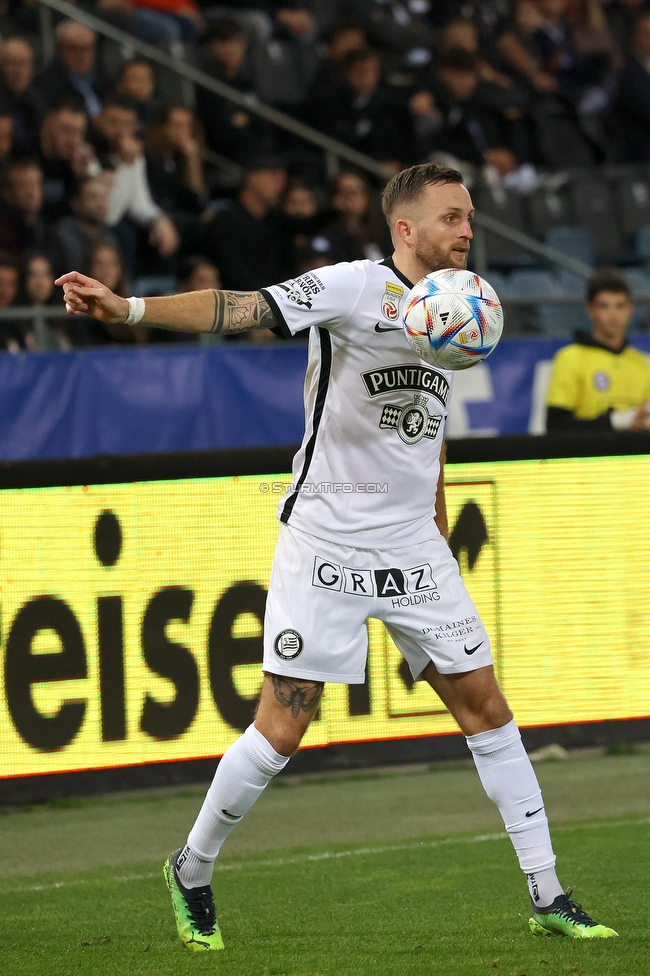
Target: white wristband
[
  {"x": 622, "y": 419},
  {"x": 136, "y": 311}
]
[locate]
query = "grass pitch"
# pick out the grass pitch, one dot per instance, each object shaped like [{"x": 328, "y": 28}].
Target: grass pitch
[{"x": 327, "y": 880}]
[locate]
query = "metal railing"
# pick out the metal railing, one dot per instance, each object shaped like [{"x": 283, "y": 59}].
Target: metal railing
[
  {"x": 521, "y": 318},
  {"x": 334, "y": 151}
]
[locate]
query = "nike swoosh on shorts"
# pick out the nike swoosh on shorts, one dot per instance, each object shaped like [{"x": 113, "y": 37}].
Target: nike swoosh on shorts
[{"x": 470, "y": 650}]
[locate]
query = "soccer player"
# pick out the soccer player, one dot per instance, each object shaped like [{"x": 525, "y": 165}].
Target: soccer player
[
  {"x": 599, "y": 382},
  {"x": 375, "y": 413}
]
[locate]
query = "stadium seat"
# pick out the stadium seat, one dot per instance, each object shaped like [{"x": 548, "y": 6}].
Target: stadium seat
[
  {"x": 574, "y": 241},
  {"x": 562, "y": 319},
  {"x": 642, "y": 243},
  {"x": 547, "y": 318},
  {"x": 533, "y": 284},
  {"x": 548, "y": 207},
  {"x": 594, "y": 208},
  {"x": 508, "y": 208},
  {"x": 500, "y": 282},
  {"x": 639, "y": 280},
  {"x": 170, "y": 87},
  {"x": 632, "y": 195},
  {"x": 154, "y": 285}
]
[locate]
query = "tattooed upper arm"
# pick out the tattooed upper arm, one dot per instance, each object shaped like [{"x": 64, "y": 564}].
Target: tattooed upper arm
[{"x": 240, "y": 311}]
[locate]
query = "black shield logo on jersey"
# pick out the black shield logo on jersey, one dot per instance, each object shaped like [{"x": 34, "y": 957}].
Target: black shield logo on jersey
[
  {"x": 412, "y": 422},
  {"x": 288, "y": 645}
]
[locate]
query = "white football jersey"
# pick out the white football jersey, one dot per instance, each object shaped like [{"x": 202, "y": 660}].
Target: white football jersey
[{"x": 367, "y": 470}]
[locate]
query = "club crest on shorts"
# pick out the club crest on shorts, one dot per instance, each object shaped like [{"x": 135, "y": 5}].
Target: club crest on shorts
[
  {"x": 288, "y": 644},
  {"x": 412, "y": 422}
]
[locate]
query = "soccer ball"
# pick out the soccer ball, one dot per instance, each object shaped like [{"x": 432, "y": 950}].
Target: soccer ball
[{"x": 453, "y": 318}]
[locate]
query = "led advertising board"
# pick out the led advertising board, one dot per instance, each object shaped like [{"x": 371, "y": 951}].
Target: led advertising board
[{"x": 131, "y": 614}]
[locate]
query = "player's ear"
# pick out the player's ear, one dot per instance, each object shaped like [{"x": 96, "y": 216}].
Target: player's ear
[{"x": 403, "y": 231}]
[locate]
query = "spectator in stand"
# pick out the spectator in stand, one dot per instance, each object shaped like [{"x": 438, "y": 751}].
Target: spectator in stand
[
  {"x": 622, "y": 16},
  {"x": 359, "y": 226},
  {"x": 6, "y": 135},
  {"x": 307, "y": 220},
  {"x": 230, "y": 130},
  {"x": 19, "y": 95},
  {"x": 477, "y": 128},
  {"x": 599, "y": 382},
  {"x": 131, "y": 204},
  {"x": 298, "y": 20},
  {"x": 572, "y": 52},
  {"x": 517, "y": 45},
  {"x": 174, "y": 152},
  {"x": 74, "y": 236},
  {"x": 523, "y": 45},
  {"x": 11, "y": 331},
  {"x": 182, "y": 18},
  {"x": 463, "y": 34},
  {"x": 633, "y": 98},
  {"x": 300, "y": 200},
  {"x": 73, "y": 73},
  {"x": 21, "y": 218},
  {"x": 151, "y": 26},
  {"x": 346, "y": 36},
  {"x": 363, "y": 112},
  {"x": 197, "y": 273},
  {"x": 106, "y": 264},
  {"x": 402, "y": 30},
  {"x": 38, "y": 290},
  {"x": 66, "y": 156},
  {"x": 598, "y": 59},
  {"x": 249, "y": 241},
  {"x": 138, "y": 82}
]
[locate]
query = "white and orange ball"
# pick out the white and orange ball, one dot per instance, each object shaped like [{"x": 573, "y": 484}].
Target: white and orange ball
[{"x": 453, "y": 318}]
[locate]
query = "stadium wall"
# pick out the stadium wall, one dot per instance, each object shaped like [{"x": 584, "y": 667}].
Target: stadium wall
[
  {"x": 133, "y": 593},
  {"x": 133, "y": 401}
]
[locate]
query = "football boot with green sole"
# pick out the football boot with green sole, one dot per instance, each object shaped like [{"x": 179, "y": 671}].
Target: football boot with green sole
[
  {"x": 196, "y": 917},
  {"x": 565, "y": 917}
]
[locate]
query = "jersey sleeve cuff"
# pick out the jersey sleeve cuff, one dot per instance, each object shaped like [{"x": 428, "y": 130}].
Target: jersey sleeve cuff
[{"x": 282, "y": 328}]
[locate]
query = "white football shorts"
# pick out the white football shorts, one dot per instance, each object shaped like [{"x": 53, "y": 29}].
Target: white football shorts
[{"x": 321, "y": 594}]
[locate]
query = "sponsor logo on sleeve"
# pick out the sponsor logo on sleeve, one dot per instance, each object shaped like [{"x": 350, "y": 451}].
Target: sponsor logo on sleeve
[
  {"x": 390, "y": 301},
  {"x": 302, "y": 290}
]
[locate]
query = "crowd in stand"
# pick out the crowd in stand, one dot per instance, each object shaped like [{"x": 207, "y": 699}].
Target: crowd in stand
[{"x": 106, "y": 169}]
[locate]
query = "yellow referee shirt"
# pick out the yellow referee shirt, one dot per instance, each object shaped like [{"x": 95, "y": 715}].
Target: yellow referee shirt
[{"x": 588, "y": 379}]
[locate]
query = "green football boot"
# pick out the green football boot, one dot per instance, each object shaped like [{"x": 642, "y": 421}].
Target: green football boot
[
  {"x": 196, "y": 916},
  {"x": 565, "y": 917}
]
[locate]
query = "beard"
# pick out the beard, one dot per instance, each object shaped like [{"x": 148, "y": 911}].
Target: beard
[{"x": 435, "y": 258}]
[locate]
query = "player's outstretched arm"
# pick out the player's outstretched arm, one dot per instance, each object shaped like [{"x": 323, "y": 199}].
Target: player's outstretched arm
[{"x": 212, "y": 311}]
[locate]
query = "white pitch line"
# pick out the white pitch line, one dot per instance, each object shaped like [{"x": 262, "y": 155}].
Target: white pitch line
[{"x": 279, "y": 862}]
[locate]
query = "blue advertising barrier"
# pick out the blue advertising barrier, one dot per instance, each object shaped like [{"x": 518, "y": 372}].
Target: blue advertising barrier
[{"x": 180, "y": 398}]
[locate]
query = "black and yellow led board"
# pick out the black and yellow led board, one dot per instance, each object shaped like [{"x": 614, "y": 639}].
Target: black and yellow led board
[{"x": 131, "y": 613}]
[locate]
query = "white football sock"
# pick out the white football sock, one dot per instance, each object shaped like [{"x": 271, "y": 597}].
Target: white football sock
[
  {"x": 509, "y": 780},
  {"x": 244, "y": 771},
  {"x": 543, "y": 886}
]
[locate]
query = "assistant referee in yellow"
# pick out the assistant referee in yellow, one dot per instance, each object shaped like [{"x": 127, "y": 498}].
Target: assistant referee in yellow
[{"x": 599, "y": 382}]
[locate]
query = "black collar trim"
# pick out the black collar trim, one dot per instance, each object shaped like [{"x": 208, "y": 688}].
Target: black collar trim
[
  {"x": 389, "y": 263},
  {"x": 587, "y": 339}
]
